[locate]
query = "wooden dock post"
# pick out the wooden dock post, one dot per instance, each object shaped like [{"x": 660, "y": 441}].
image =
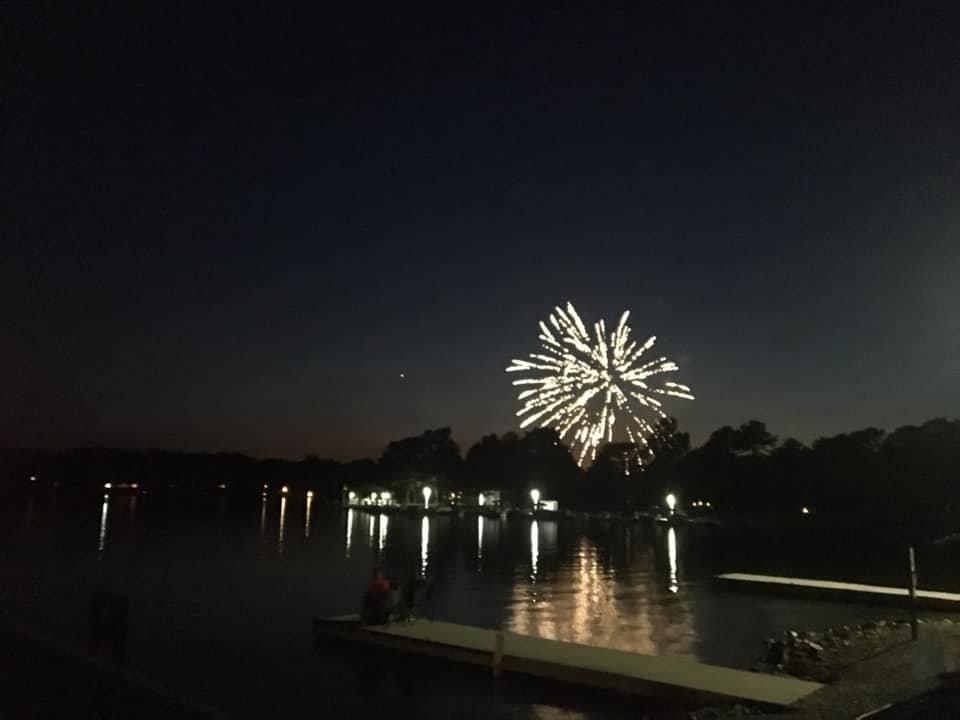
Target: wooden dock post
[
  {"x": 497, "y": 654},
  {"x": 107, "y": 626},
  {"x": 913, "y": 593}
]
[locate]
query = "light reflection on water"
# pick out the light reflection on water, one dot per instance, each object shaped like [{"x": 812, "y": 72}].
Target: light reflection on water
[
  {"x": 582, "y": 597},
  {"x": 424, "y": 544},
  {"x": 672, "y": 557},
  {"x": 283, "y": 523},
  {"x": 263, "y": 517},
  {"x": 480, "y": 520},
  {"x": 306, "y": 522},
  {"x": 534, "y": 549},
  {"x": 382, "y": 534},
  {"x": 606, "y": 584},
  {"x": 350, "y": 515},
  {"x": 104, "y": 511}
]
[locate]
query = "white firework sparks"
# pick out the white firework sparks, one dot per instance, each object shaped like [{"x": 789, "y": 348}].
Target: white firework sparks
[{"x": 586, "y": 384}]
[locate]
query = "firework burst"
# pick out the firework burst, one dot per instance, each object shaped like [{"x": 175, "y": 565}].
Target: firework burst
[{"x": 585, "y": 385}]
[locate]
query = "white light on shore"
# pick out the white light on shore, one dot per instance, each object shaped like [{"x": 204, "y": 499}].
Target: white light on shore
[
  {"x": 482, "y": 499},
  {"x": 427, "y": 492},
  {"x": 107, "y": 486},
  {"x": 671, "y": 501},
  {"x": 284, "y": 489},
  {"x": 535, "y": 496},
  {"x": 805, "y": 510}
]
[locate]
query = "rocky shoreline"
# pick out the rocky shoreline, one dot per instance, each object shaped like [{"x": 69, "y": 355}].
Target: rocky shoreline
[{"x": 863, "y": 666}]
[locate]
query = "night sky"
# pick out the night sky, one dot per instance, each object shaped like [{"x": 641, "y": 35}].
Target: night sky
[{"x": 232, "y": 230}]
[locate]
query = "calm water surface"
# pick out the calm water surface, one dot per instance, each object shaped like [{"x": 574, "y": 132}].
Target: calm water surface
[{"x": 223, "y": 591}]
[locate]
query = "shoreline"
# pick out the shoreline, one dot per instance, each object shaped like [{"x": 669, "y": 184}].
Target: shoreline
[{"x": 864, "y": 667}]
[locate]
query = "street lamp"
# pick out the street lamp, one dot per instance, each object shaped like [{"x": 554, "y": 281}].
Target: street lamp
[
  {"x": 535, "y": 496},
  {"x": 427, "y": 492},
  {"x": 482, "y": 500},
  {"x": 671, "y": 501}
]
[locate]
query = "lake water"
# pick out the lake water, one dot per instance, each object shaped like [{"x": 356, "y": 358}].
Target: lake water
[{"x": 223, "y": 592}]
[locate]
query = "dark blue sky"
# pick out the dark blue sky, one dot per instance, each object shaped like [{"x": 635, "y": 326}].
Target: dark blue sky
[{"x": 233, "y": 231}]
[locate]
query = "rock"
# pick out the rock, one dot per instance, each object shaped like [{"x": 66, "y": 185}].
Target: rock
[
  {"x": 776, "y": 653},
  {"x": 792, "y": 634},
  {"x": 847, "y": 643},
  {"x": 870, "y": 625}
]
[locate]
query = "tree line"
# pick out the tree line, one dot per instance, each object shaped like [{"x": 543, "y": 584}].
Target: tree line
[{"x": 913, "y": 470}]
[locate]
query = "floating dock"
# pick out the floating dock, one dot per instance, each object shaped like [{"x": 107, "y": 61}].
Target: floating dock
[
  {"x": 853, "y": 592},
  {"x": 672, "y": 679},
  {"x": 46, "y": 679}
]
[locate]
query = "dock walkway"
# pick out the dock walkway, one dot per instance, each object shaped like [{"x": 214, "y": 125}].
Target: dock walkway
[
  {"x": 674, "y": 679},
  {"x": 43, "y": 679},
  {"x": 881, "y": 594}
]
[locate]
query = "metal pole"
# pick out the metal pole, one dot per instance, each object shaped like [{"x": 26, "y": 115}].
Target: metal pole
[
  {"x": 913, "y": 593},
  {"x": 497, "y": 654}
]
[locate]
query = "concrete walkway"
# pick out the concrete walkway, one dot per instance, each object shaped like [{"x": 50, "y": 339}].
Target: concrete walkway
[
  {"x": 859, "y": 592},
  {"x": 42, "y": 679},
  {"x": 604, "y": 667}
]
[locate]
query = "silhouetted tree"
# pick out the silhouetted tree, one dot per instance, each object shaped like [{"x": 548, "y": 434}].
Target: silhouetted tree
[{"x": 429, "y": 458}]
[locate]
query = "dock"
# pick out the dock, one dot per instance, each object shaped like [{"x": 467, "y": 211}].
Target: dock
[
  {"x": 672, "y": 679},
  {"x": 40, "y": 678},
  {"x": 834, "y": 590}
]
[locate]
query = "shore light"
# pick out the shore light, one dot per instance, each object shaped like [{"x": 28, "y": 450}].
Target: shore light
[
  {"x": 107, "y": 486},
  {"x": 284, "y": 489},
  {"x": 385, "y": 496},
  {"x": 427, "y": 492},
  {"x": 671, "y": 501},
  {"x": 805, "y": 510},
  {"x": 482, "y": 499},
  {"x": 535, "y": 496},
  {"x": 309, "y": 494},
  {"x": 352, "y": 496}
]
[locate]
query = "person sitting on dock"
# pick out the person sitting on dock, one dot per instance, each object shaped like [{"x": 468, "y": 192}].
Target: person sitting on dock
[
  {"x": 375, "y": 610},
  {"x": 393, "y": 601},
  {"x": 413, "y": 590}
]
